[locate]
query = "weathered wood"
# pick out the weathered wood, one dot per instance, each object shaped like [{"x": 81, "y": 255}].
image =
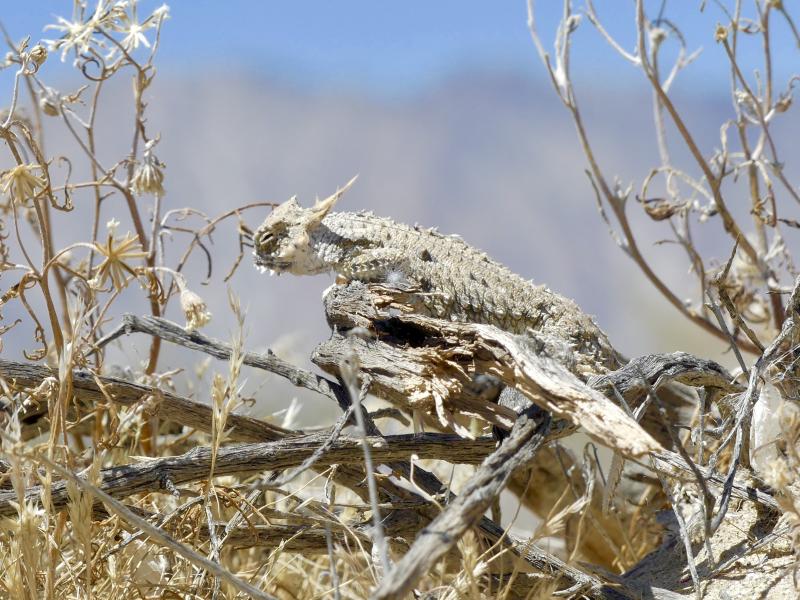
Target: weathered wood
[
  {"x": 194, "y": 340},
  {"x": 448, "y": 356},
  {"x": 92, "y": 389},
  {"x": 397, "y": 375},
  {"x": 160, "y": 474},
  {"x": 655, "y": 370}
]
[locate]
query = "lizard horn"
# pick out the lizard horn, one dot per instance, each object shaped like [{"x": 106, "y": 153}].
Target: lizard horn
[{"x": 323, "y": 207}]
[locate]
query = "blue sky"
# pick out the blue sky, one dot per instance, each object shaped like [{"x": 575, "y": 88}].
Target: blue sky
[{"x": 394, "y": 47}]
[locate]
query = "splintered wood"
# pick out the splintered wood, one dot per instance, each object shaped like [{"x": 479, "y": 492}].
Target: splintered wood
[{"x": 432, "y": 364}]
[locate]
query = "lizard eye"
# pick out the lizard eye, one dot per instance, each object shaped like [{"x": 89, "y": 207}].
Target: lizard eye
[{"x": 263, "y": 238}]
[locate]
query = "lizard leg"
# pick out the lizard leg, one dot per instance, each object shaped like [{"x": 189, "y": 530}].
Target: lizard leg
[
  {"x": 384, "y": 265},
  {"x": 519, "y": 403}
]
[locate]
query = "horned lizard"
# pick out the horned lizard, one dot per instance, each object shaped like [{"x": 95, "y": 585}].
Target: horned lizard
[{"x": 457, "y": 282}]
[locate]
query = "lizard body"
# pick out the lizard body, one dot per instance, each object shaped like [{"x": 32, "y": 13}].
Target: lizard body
[{"x": 455, "y": 280}]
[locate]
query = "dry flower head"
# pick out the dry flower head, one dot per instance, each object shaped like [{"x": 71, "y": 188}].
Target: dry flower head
[
  {"x": 118, "y": 254},
  {"x": 21, "y": 184},
  {"x": 194, "y": 309}
]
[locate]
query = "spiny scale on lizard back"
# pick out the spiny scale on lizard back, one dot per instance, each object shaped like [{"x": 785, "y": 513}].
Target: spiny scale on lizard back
[{"x": 458, "y": 282}]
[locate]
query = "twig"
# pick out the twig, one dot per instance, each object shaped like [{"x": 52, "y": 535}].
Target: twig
[
  {"x": 684, "y": 535},
  {"x": 708, "y": 499},
  {"x": 712, "y": 303},
  {"x": 464, "y": 511},
  {"x": 330, "y": 493},
  {"x": 748, "y": 399},
  {"x": 194, "y": 340},
  {"x": 335, "y": 431},
  {"x": 350, "y": 375}
]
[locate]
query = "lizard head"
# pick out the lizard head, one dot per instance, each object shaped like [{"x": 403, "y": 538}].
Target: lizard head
[{"x": 282, "y": 243}]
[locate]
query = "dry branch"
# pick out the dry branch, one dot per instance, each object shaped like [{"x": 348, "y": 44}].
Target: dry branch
[
  {"x": 655, "y": 370},
  {"x": 449, "y": 356},
  {"x": 91, "y": 390},
  {"x": 162, "y": 474},
  {"x": 194, "y": 340},
  {"x": 190, "y": 413}
]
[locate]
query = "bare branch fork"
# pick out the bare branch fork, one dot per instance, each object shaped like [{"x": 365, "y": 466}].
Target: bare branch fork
[{"x": 650, "y": 39}]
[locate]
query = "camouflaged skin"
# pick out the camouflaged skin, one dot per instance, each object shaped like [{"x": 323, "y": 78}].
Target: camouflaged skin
[{"x": 454, "y": 280}]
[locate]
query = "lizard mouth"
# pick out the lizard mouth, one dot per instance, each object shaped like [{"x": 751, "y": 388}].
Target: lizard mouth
[{"x": 271, "y": 266}]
